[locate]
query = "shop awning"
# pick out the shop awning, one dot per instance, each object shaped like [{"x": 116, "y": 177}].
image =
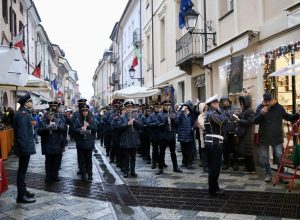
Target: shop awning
[
  {"x": 236, "y": 44},
  {"x": 291, "y": 70},
  {"x": 12, "y": 67},
  {"x": 135, "y": 92},
  {"x": 33, "y": 84}
]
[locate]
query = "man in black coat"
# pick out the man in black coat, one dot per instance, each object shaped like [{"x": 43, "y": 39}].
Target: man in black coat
[
  {"x": 130, "y": 140},
  {"x": 51, "y": 129},
  {"x": 24, "y": 146},
  {"x": 269, "y": 116},
  {"x": 167, "y": 128}
]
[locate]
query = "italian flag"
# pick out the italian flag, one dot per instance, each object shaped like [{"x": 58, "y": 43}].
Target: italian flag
[
  {"x": 18, "y": 41},
  {"x": 136, "y": 58}
]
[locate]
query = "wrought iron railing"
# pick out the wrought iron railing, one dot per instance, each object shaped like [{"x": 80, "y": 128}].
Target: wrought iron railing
[{"x": 189, "y": 46}]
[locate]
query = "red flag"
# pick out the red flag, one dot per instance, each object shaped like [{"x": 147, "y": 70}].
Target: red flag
[
  {"x": 18, "y": 41},
  {"x": 59, "y": 92},
  {"x": 37, "y": 70},
  {"x": 135, "y": 61}
]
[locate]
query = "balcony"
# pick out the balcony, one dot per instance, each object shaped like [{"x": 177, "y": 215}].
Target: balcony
[
  {"x": 136, "y": 37},
  {"x": 189, "y": 52}
]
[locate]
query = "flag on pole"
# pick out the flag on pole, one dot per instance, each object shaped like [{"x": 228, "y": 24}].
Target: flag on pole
[
  {"x": 18, "y": 41},
  {"x": 54, "y": 84},
  {"x": 185, "y": 5},
  {"x": 59, "y": 92},
  {"x": 37, "y": 70},
  {"x": 136, "y": 58}
]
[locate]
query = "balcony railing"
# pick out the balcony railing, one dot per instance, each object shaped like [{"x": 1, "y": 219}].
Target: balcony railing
[{"x": 189, "y": 46}]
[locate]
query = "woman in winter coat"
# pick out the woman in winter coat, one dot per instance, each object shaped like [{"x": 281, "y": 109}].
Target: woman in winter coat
[
  {"x": 85, "y": 128},
  {"x": 51, "y": 130},
  {"x": 245, "y": 133},
  {"x": 202, "y": 149}
]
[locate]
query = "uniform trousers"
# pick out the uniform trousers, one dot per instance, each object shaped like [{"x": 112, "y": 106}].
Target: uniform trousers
[
  {"x": 162, "y": 150},
  {"x": 155, "y": 153},
  {"x": 214, "y": 148},
  {"x": 107, "y": 143},
  {"x": 146, "y": 146},
  {"x": 114, "y": 151},
  {"x": 22, "y": 170},
  {"x": 129, "y": 155},
  {"x": 85, "y": 161},
  {"x": 230, "y": 146},
  {"x": 52, "y": 165}
]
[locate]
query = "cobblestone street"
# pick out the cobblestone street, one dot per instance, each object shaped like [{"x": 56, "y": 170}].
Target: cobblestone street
[{"x": 170, "y": 196}]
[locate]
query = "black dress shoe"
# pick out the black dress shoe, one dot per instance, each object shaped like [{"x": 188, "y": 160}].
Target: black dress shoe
[
  {"x": 25, "y": 199},
  {"x": 190, "y": 167},
  {"x": 153, "y": 166},
  {"x": 30, "y": 195},
  {"x": 125, "y": 175},
  {"x": 177, "y": 170},
  {"x": 133, "y": 174},
  {"x": 56, "y": 179},
  {"x": 159, "y": 172},
  {"x": 90, "y": 177},
  {"x": 165, "y": 165},
  {"x": 217, "y": 193},
  {"x": 78, "y": 173}
]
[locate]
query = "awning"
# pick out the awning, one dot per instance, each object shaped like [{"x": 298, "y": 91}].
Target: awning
[
  {"x": 291, "y": 70},
  {"x": 236, "y": 44},
  {"x": 34, "y": 84},
  {"x": 135, "y": 92},
  {"x": 12, "y": 67}
]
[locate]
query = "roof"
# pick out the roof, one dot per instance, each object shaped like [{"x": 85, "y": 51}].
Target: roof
[
  {"x": 114, "y": 31},
  {"x": 35, "y": 10}
]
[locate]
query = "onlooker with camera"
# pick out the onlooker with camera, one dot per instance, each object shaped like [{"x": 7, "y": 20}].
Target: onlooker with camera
[{"x": 269, "y": 116}]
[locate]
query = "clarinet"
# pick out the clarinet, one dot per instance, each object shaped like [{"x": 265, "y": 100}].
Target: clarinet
[{"x": 169, "y": 120}]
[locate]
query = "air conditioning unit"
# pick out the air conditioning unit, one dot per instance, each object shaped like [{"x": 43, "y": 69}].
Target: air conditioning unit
[{"x": 136, "y": 37}]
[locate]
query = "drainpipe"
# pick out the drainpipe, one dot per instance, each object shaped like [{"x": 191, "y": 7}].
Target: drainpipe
[
  {"x": 152, "y": 23},
  {"x": 141, "y": 60},
  {"x": 205, "y": 26}
]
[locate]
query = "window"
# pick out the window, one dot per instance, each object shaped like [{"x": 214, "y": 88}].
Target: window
[
  {"x": 4, "y": 10},
  {"x": 162, "y": 40},
  {"x": 12, "y": 21},
  {"x": 148, "y": 52},
  {"x": 21, "y": 8},
  {"x": 226, "y": 7},
  {"x": 21, "y": 26}
]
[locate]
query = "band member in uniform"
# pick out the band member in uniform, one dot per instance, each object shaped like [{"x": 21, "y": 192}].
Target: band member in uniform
[
  {"x": 155, "y": 134},
  {"x": 115, "y": 143},
  {"x": 51, "y": 129},
  {"x": 214, "y": 122},
  {"x": 230, "y": 142},
  {"x": 85, "y": 128},
  {"x": 107, "y": 129},
  {"x": 145, "y": 139},
  {"x": 167, "y": 127},
  {"x": 129, "y": 125},
  {"x": 75, "y": 116},
  {"x": 24, "y": 146}
]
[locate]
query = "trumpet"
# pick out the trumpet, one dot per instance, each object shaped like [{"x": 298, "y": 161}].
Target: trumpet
[{"x": 132, "y": 116}]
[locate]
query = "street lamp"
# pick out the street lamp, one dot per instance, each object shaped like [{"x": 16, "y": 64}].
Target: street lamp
[
  {"x": 191, "y": 18},
  {"x": 132, "y": 73}
]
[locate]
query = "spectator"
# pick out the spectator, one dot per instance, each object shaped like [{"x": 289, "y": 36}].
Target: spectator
[{"x": 269, "y": 116}]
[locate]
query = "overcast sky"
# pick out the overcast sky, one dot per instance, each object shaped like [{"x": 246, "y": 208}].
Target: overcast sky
[{"x": 82, "y": 30}]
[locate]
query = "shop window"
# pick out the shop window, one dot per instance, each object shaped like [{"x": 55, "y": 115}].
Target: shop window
[{"x": 5, "y": 10}]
